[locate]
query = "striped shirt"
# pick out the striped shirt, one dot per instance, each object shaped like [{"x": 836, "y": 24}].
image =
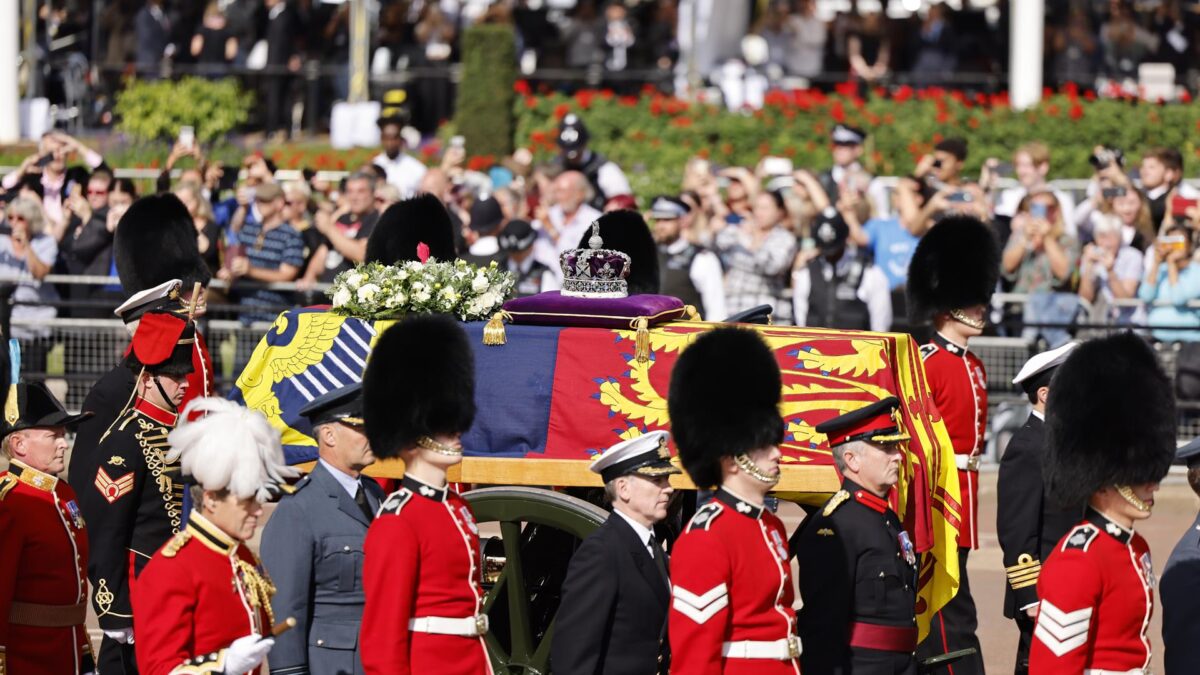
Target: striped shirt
[{"x": 268, "y": 251}]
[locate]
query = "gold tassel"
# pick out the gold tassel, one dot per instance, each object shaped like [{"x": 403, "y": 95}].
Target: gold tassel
[
  {"x": 642, "y": 343},
  {"x": 691, "y": 313},
  {"x": 493, "y": 332}
]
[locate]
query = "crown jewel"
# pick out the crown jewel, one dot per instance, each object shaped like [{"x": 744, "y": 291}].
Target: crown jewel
[{"x": 594, "y": 272}]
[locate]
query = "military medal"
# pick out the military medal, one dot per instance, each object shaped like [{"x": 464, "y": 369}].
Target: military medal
[
  {"x": 906, "y": 546},
  {"x": 76, "y": 516}
]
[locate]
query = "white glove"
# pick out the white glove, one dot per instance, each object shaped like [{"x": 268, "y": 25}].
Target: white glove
[
  {"x": 121, "y": 635},
  {"x": 246, "y": 653}
]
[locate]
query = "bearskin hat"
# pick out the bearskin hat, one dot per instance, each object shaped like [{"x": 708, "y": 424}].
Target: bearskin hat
[
  {"x": 420, "y": 381},
  {"x": 1110, "y": 419},
  {"x": 626, "y": 231},
  {"x": 406, "y": 224},
  {"x": 956, "y": 265},
  {"x": 156, "y": 242},
  {"x": 723, "y": 401}
]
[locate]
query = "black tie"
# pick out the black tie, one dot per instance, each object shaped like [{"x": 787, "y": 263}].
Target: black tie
[
  {"x": 360, "y": 498},
  {"x": 660, "y": 559}
]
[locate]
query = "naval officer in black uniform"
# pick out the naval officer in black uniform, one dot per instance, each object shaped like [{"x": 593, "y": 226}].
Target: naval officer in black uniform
[
  {"x": 1180, "y": 585},
  {"x": 858, "y": 568},
  {"x": 1028, "y": 523},
  {"x": 613, "y": 616},
  {"x": 313, "y": 544}
]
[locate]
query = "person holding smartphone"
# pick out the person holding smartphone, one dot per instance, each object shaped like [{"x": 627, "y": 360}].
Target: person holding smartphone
[
  {"x": 1172, "y": 280},
  {"x": 1040, "y": 259}
]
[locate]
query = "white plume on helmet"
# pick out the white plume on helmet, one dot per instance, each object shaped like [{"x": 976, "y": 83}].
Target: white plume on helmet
[{"x": 229, "y": 448}]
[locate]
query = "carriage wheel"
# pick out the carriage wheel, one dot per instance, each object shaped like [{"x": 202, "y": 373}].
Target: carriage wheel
[{"x": 524, "y": 569}]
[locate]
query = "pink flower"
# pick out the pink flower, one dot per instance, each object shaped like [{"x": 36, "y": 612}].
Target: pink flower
[{"x": 422, "y": 252}]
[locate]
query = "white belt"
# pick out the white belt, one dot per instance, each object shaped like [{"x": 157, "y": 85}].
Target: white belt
[
  {"x": 1135, "y": 671},
  {"x": 471, "y": 626},
  {"x": 968, "y": 463},
  {"x": 775, "y": 650}
]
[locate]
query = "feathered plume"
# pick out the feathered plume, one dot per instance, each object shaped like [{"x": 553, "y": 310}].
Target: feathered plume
[{"x": 229, "y": 448}]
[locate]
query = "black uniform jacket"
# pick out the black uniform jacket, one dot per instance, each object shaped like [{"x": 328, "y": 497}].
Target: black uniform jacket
[
  {"x": 1028, "y": 523},
  {"x": 132, "y": 501},
  {"x": 1179, "y": 589},
  {"x": 853, "y": 568},
  {"x": 613, "y": 614}
]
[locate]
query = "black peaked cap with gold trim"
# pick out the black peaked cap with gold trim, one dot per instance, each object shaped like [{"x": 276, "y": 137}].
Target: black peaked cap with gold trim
[{"x": 645, "y": 455}]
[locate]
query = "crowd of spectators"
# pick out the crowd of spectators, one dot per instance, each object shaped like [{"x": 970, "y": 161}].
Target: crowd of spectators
[
  {"x": 267, "y": 43},
  {"x": 828, "y": 248}
]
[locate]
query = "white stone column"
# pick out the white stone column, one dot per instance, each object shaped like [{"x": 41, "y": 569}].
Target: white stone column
[
  {"x": 10, "y": 26},
  {"x": 1027, "y": 29}
]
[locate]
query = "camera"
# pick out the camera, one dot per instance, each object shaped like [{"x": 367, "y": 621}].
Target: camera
[
  {"x": 1106, "y": 156},
  {"x": 1112, "y": 192},
  {"x": 960, "y": 197}
]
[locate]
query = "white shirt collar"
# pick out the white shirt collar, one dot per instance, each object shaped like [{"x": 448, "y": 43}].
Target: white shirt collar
[
  {"x": 642, "y": 531},
  {"x": 349, "y": 483},
  {"x": 1040, "y": 415},
  {"x": 677, "y": 246}
]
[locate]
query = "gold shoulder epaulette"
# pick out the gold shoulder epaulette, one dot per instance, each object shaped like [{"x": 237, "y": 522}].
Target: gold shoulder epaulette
[
  {"x": 176, "y": 543},
  {"x": 1025, "y": 572},
  {"x": 7, "y": 483},
  {"x": 834, "y": 502}
]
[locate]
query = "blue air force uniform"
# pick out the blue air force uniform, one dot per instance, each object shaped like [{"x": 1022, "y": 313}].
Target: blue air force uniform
[{"x": 312, "y": 546}]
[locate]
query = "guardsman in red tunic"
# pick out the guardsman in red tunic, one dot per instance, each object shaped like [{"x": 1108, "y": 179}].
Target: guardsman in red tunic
[
  {"x": 203, "y": 602},
  {"x": 421, "y": 565},
  {"x": 951, "y": 279},
  {"x": 43, "y": 559},
  {"x": 1096, "y": 588},
  {"x": 732, "y": 592}
]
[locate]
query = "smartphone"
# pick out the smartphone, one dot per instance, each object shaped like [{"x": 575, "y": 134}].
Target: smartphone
[
  {"x": 1037, "y": 210},
  {"x": 44, "y": 160},
  {"x": 187, "y": 137},
  {"x": 1112, "y": 192},
  {"x": 1003, "y": 169},
  {"x": 777, "y": 166},
  {"x": 1180, "y": 206},
  {"x": 458, "y": 142},
  {"x": 960, "y": 197},
  {"x": 1174, "y": 242}
]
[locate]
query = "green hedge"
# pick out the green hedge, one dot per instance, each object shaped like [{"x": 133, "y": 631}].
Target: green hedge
[
  {"x": 483, "y": 111},
  {"x": 150, "y": 111},
  {"x": 651, "y": 136}
]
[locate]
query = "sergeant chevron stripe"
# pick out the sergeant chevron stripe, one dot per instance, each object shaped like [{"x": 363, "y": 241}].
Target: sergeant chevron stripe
[
  {"x": 700, "y": 608},
  {"x": 1062, "y": 631},
  {"x": 113, "y": 489}
]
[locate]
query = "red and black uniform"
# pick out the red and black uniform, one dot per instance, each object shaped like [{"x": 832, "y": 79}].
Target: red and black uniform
[
  {"x": 1097, "y": 595},
  {"x": 959, "y": 385},
  {"x": 132, "y": 499},
  {"x": 421, "y": 574},
  {"x": 199, "y": 593},
  {"x": 858, "y": 581},
  {"x": 43, "y": 576},
  {"x": 732, "y": 594}
]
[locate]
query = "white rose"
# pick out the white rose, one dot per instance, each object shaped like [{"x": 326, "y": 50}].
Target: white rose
[
  {"x": 479, "y": 284},
  {"x": 367, "y": 292},
  {"x": 341, "y": 296},
  {"x": 418, "y": 286},
  {"x": 448, "y": 292},
  {"x": 400, "y": 299},
  {"x": 422, "y": 297},
  {"x": 402, "y": 274},
  {"x": 461, "y": 274},
  {"x": 355, "y": 280}
]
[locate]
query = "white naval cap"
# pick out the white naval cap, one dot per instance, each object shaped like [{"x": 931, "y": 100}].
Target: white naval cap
[
  {"x": 667, "y": 208},
  {"x": 645, "y": 455},
  {"x": 844, "y": 134},
  {"x": 1040, "y": 363},
  {"x": 152, "y": 298}
]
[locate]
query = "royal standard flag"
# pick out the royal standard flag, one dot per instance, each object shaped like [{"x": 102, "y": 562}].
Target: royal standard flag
[{"x": 569, "y": 393}]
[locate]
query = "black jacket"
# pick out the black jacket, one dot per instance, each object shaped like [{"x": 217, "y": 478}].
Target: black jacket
[
  {"x": 105, "y": 401},
  {"x": 1027, "y": 522},
  {"x": 613, "y": 614},
  {"x": 1179, "y": 588},
  {"x": 853, "y": 569}
]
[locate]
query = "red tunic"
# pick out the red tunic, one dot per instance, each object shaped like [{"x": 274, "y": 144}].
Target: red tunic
[
  {"x": 421, "y": 560},
  {"x": 200, "y": 380},
  {"x": 959, "y": 385},
  {"x": 43, "y": 562},
  {"x": 731, "y": 582},
  {"x": 1097, "y": 595},
  {"x": 198, "y": 594}
]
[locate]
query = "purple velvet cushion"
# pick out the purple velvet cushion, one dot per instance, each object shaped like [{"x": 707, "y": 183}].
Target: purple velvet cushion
[{"x": 554, "y": 309}]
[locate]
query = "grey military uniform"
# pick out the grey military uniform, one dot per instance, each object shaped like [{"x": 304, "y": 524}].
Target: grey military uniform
[{"x": 312, "y": 547}]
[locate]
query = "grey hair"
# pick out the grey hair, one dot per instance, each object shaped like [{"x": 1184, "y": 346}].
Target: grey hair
[
  {"x": 839, "y": 454},
  {"x": 1105, "y": 223},
  {"x": 31, "y": 211},
  {"x": 363, "y": 175}
]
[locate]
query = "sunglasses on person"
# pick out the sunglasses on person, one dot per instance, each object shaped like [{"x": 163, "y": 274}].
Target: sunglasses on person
[{"x": 97, "y": 192}]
